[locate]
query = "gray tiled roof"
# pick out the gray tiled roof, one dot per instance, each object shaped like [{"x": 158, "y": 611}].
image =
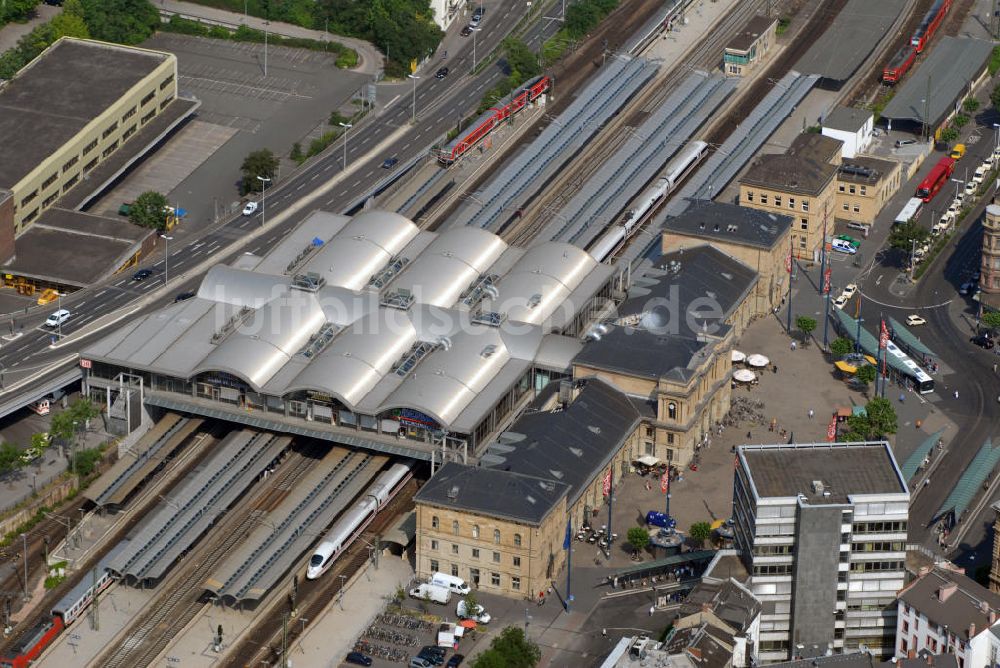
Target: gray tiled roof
[
  {"x": 492, "y": 492},
  {"x": 718, "y": 221},
  {"x": 848, "y": 119},
  {"x": 959, "y": 610},
  {"x": 790, "y": 173},
  {"x": 642, "y": 353}
]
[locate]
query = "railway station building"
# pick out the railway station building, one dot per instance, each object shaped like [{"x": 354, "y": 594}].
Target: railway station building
[
  {"x": 800, "y": 183},
  {"x": 864, "y": 186},
  {"x": 758, "y": 239},
  {"x": 749, "y": 48},
  {"x": 364, "y": 331}
]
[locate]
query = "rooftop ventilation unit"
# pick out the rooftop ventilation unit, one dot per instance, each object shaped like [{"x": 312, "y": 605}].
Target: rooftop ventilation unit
[
  {"x": 489, "y": 318},
  {"x": 453, "y": 492},
  {"x": 482, "y": 288},
  {"x": 818, "y": 487},
  {"x": 390, "y": 271},
  {"x": 534, "y": 300},
  {"x": 320, "y": 340},
  {"x": 400, "y": 299},
  {"x": 230, "y": 325},
  {"x": 488, "y": 351},
  {"x": 308, "y": 282},
  {"x": 412, "y": 357}
]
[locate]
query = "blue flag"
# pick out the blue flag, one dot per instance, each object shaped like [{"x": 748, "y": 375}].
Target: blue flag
[{"x": 569, "y": 533}]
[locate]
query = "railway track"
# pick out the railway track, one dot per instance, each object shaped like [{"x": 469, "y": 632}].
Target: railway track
[
  {"x": 263, "y": 641},
  {"x": 182, "y": 594}
]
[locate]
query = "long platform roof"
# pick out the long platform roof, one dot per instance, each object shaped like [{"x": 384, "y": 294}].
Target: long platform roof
[{"x": 375, "y": 313}]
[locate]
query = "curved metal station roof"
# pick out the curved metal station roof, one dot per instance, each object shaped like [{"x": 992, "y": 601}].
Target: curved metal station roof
[{"x": 375, "y": 313}]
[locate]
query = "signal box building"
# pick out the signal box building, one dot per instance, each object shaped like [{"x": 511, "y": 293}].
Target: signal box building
[
  {"x": 749, "y": 48},
  {"x": 822, "y": 530}
]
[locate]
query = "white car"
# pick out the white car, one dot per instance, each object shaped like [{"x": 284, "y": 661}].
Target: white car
[
  {"x": 477, "y": 613},
  {"x": 850, "y": 290},
  {"x": 953, "y": 210},
  {"x": 840, "y": 301},
  {"x": 980, "y": 174},
  {"x": 996, "y": 154},
  {"x": 57, "y": 318},
  {"x": 250, "y": 209},
  {"x": 970, "y": 188},
  {"x": 914, "y": 320}
]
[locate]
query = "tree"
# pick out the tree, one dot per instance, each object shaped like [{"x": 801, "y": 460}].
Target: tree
[
  {"x": 262, "y": 163},
  {"x": 296, "y": 154},
  {"x": 866, "y": 374},
  {"x": 700, "y": 532},
  {"x": 970, "y": 104},
  {"x": 16, "y": 10},
  {"x": 879, "y": 420},
  {"x": 991, "y": 320},
  {"x": 10, "y": 458},
  {"x": 903, "y": 235},
  {"x": 806, "y": 325},
  {"x": 638, "y": 538},
  {"x": 522, "y": 63},
  {"x": 995, "y": 97},
  {"x": 85, "y": 461},
  {"x": 948, "y": 134},
  {"x": 149, "y": 210},
  {"x": 471, "y": 602},
  {"x": 510, "y": 649},
  {"x": 61, "y": 427},
  {"x": 960, "y": 121},
  {"x": 40, "y": 441},
  {"x": 840, "y": 347},
  {"x": 121, "y": 21}
]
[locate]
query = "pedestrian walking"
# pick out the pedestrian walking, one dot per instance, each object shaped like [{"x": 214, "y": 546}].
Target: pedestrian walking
[
  {"x": 994, "y": 367},
  {"x": 793, "y": 346},
  {"x": 748, "y": 435},
  {"x": 902, "y": 398},
  {"x": 811, "y": 413},
  {"x": 652, "y": 608},
  {"x": 956, "y": 394}
]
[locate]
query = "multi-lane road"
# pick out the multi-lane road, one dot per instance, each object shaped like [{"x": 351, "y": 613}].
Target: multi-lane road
[{"x": 436, "y": 105}]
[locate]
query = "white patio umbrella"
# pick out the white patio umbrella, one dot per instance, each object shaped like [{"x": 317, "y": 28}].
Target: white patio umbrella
[
  {"x": 744, "y": 375},
  {"x": 758, "y": 360}
]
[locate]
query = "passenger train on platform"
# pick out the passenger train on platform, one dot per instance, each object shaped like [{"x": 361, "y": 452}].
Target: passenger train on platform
[
  {"x": 677, "y": 170},
  {"x": 353, "y": 521}
]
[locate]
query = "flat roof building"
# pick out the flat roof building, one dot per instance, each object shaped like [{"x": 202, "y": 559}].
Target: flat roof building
[
  {"x": 749, "y": 47},
  {"x": 822, "y": 528},
  {"x": 854, "y": 127}
]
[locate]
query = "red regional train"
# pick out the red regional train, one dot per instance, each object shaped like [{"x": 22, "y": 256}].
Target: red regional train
[
  {"x": 930, "y": 24},
  {"x": 899, "y": 65},
  {"x": 483, "y": 125}
]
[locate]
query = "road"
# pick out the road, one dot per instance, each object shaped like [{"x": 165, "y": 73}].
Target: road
[{"x": 435, "y": 104}]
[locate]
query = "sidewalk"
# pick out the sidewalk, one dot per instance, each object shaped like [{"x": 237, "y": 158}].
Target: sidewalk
[
  {"x": 369, "y": 58},
  {"x": 12, "y": 32}
]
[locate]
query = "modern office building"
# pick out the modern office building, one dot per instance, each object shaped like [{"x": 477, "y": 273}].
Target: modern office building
[{"x": 821, "y": 528}]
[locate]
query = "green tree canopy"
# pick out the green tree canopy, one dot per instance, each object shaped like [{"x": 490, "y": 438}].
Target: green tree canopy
[
  {"x": 638, "y": 538},
  {"x": 510, "y": 649},
  {"x": 840, "y": 347},
  {"x": 878, "y": 421},
  {"x": 522, "y": 63},
  {"x": 262, "y": 163},
  {"x": 806, "y": 325},
  {"x": 121, "y": 21},
  {"x": 866, "y": 374},
  {"x": 16, "y": 10},
  {"x": 10, "y": 458},
  {"x": 991, "y": 320},
  {"x": 700, "y": 532},
  {"x": 903, "y": 235},
  {"x": 149, "y": 210}
]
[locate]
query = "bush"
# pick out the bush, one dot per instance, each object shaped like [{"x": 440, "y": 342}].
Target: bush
[
  {"x": 840, "y": 347},
  {"x": 783, "y": 24},
  {"x": 970, "y": 104},
  {"x": 960, "y": 121},
  {"x": 85, "y": 461},
  {"x": 994, "y": 63},
  {"x": 948, "y": 134}
]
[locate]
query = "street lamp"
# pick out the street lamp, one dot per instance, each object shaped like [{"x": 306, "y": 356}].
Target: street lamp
[
  {"x": 166, "y": 258},
  {"x": 346, "y": 126},
  {"x": 414, "y": 77},
  {"x": 958, "y": 186},
  {"x": 263, "y": 197},
  {"x": 474, "y": 31}
]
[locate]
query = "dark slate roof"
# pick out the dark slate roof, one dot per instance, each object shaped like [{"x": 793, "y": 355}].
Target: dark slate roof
[
  {"x": 685, "y": 290},
  {"x": 707, "y": 645},
  {"x": 58, "y": 94},
  {"x": 639, "y": 352},
  {"x": 492, "y": 492},
  {"x": 816, "y": 146},
  {"x": 730, "y": 602},
  {"x": 753, "y": 29},
  {"x": 852, "y": 35},
  {"x": 570, "y": 445},
  {"x": 958, "y": 610},
  {"x": 717, "y": 221},
  {"x": 790, "y": 173},
  {"x": 847, "y": 119},
  {"x": 861, "y": 169}
]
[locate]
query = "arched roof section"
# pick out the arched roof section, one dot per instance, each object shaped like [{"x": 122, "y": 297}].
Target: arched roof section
[
  {"x": 540, "y": 281},
  {"x": 363, "y": 247},
  {"x": 450, "y": 264},
  {"x": 267, "y": 341},
  {"x": 239, "y": 287},
  {"x": 453, "y": 375},
  {"x": 359, "y": 357}
]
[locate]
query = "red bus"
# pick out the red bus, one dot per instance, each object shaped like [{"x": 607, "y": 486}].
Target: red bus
[
  {"x": 899, "y": 65},
  {"x": 937, "y": 177},
  {"x": 930, "y": 24}
]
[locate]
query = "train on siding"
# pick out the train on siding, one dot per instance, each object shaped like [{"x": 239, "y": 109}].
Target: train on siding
[{"x": 677, "y": 170}]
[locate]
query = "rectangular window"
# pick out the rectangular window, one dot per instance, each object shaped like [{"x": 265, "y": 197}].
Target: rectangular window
[
  {"x": 517, "y": 562},
  {"x": 846, "y": 206},
  {"x": 434, "y": 545},
  {"x": 515, "y": 583},
  {"x": 454, "y": 570},
  {"x": 163, "y": 105},
  {"x": 454, "y": 548},
  {"x": 777, "y": 200},
  {"x": 69, "y": 164},
  {"x": 149, "y": 98},
  {"x": 802, "y": 243},
  {"x": 495, "y": 579},
  {"x": 166, "y": 82},
  {"x": 864, "y": 190},
  {"x": 130, "y": 113},
  {"x": 71, "y": 182},
  {"x": 90, "y": 165},
  {"x": 791, "y": 202},
  {"x": 435, "y": 566},
  {"x": 841, "y": 187},
  {"x": 148, "y": 117},
  {"x": 856, "y": 208},
  {"x": 763, "y": 199},
  {"x": 749, "y": 195},
  {"x": 111, "y": 128},
  {"x": 110, "y": 149},
  {"x": 496, "y": 557},
  {"x": 50, "y": 199},
  {"x": 475, "y": 553},
  {"x": 90, "y": 147},
  {"x": 454, "y": 527},
  {"x": 49, "y": 181},
  {"x": 670, "y": 439},
  {"x": 805, "y": 205},
  {"x": 31, "y": 216},
  {"x": 804, "y": 223},
  {"x": 28, "y": 198},
  {"x": 852, "y": 189},
  {"x": 128, "y": 133}
]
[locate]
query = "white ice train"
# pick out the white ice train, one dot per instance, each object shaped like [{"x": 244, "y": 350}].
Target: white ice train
[
  {"x": 676, "y": 171},
  {"x": 354, "y": 520}
]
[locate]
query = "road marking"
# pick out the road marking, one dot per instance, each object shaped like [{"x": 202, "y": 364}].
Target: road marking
[
  {"x": 878, "y": 281},
  {"x": 100, "y": 293},
  {"x": 356, "y": 183},
  {"x": 329, "y": 166},
  {"x": 389, "y": 103},
  {"x": 314, "y": 177}
]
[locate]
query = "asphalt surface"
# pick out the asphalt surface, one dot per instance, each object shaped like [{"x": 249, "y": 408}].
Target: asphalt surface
[{"x": 436, "y": 104}]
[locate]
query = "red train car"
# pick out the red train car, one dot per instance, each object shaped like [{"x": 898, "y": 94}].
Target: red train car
[
  {"x": 31, "y": 644},
  {"x": 493, "y": 117},
  {"x": 934, "y": 181},
  {"x": 899, "y": 65},
  {"x": 932, "y": 21}
]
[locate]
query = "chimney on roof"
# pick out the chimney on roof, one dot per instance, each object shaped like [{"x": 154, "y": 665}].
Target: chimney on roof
[
  {"x": 972, "y": 630},
  {"x": 706, "y": 607},
  {"x": 946, "y": 590},
  {"x": 911, "y": 654},
  {"x": 993, "y": 616},
  {"x": 695, "y": 652},
  {"x": 984, "y": 607}
]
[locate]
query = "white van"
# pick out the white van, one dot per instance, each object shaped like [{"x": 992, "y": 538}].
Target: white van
[
  {"x": 843, "y": 246},
  {"x": 57, "y": 318},
  {"x": 429, "y": 592},
  {"x": 454, "y": 584}
]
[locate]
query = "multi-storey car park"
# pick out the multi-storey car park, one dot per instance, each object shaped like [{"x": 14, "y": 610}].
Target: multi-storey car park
[{"x": 364, "y": 331}]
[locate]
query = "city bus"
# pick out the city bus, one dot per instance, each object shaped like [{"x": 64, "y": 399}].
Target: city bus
[
  {"x": 921, "y": 379},
  {"x": 910, "y": 211}
]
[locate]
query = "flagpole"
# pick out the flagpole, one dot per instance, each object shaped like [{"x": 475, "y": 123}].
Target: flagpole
[
  {"x": 611, "y": 500},
  {"x": 788, "y": 326},
  {"x": 569, "y": 560},
  {"x": 826, "y": 291}
]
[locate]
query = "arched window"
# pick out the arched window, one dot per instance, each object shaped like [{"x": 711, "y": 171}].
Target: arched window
[
  {"x": 517, "y": 540},
  {"x": 496, "y": 536},
  {"x": 475, "y": 531},
  {"x": 672, "y": 410},
  {"x": 435, "y": 522}
]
